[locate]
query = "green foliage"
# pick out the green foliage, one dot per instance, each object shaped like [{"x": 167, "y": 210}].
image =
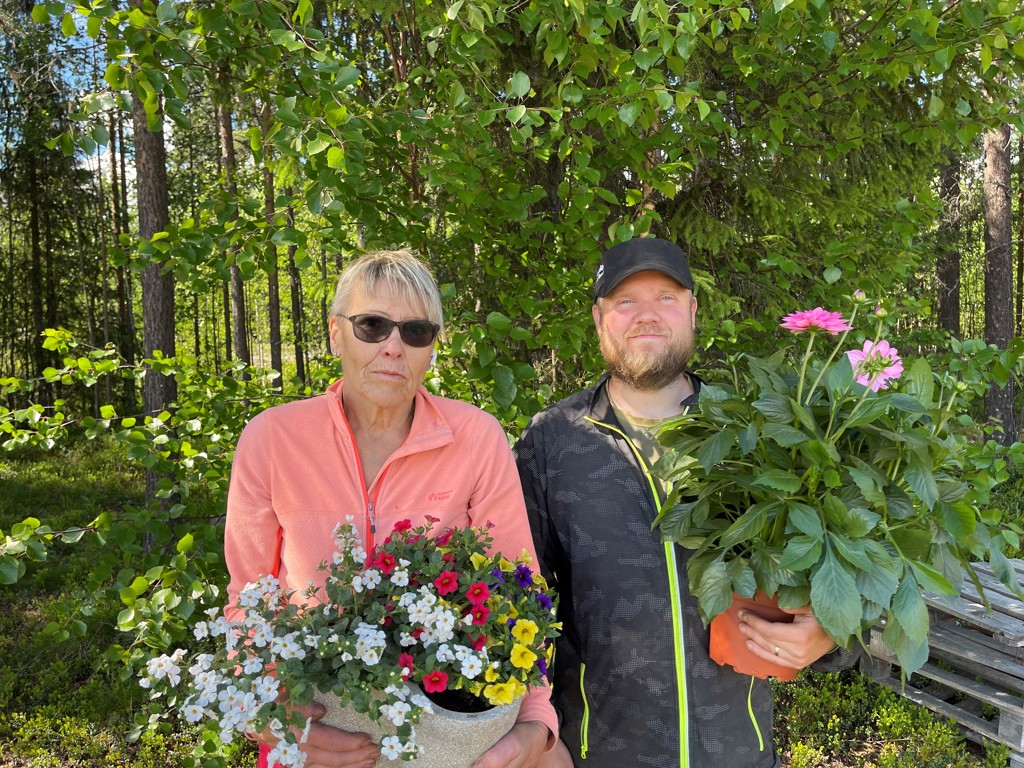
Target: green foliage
[{"x": 799, "y": 480}]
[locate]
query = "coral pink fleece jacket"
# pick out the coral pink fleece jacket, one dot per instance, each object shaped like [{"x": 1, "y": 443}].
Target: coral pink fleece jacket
[{"x": 297, "y": 473}]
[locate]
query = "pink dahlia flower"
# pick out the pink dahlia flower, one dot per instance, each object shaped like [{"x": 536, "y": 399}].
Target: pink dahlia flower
[
  {"x": 875, "y": 365},
  {"x": 815, "y": 320}
]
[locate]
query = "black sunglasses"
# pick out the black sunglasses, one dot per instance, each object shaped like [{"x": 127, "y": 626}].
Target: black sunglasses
[{"x": 374, "y": 329}]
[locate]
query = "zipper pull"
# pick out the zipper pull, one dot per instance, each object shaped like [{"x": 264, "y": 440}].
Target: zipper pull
[{"x": 373, "y": 522}]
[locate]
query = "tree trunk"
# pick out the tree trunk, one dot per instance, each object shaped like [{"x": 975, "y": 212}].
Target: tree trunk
[
  {"x": 295, "y": 284},
  {"x": 947, "y": 268},
  {"x": 157, "y": 284},
  {"x": 273, "y": 282},
  {"x": 227, "y": 153},
  {"x": 999, "y": 271},
  {"x": 1020, "y": 233},
  {"x": 126, "y": 321}
]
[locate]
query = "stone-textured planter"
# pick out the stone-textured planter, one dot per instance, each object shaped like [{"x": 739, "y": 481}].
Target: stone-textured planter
[{"x": 449, "y": 739}]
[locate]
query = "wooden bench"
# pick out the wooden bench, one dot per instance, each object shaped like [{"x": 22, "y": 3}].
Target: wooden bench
[{"x": 975, "y": 668}]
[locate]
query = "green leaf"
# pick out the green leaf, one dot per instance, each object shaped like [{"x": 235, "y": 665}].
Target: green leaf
[
  {"x": 185, "y": 543},
  {"x": 748, "y": 438},
  {"x": 10, "y": 569},
  {"x": 783, "y": 434},
  {"x": 713, "y": 588},
  {"x": 519, "y": 85},
  {"x": 40, "y": 15},
  {"x": 806, "y": 519},
  {"x": 166, "y": 11},
  {"x": 921, "y": 481},
  {"x": 920, "y": 383},
  {"x": 67, "y": 25},
  {"x": 715, "y": 448},
  {"x": 878, "y": 583},
  {"x": 629, "y": 112},
  {"x": 747, "y": 526},
  {"x": 835, "y": 599},
  {"x": 504, "y": 385},
  {"x": 958, "y": 520},
  {"x": 911, "y": 611},
  {"x": 911, "y": 655},
  {"x": 832, "y": 275},
  {"x": 775, "y": 408},
  {"x": 929, "y": 578},
  {"x": 801, "y": 553},
  {"x": 516, "y": 113},
  {"x": 778, "y": 479},
  {"x": 498, "y": 321},
  {"x": 851, "y": 551}
]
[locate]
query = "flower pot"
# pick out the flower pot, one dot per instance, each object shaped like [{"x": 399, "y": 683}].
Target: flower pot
[
  {"x": 449, "y": 739},
  {"x": 729, "y": 645}
]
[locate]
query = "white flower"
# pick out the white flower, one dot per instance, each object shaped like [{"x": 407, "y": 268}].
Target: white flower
[
  {"x": 444, "y": 653},
  {"x": 164, "y": 666},
  {"x": 212, "y": 612},
  {"x": 252, "y": 665},
  {"x": 400, "y": 578},
  {"x": 421, "y": 702},
  {"x": 471, "y": 667},
  {"x": 193, "y": 713},
  {"x": 287, "y": 755},
  {"x": 405, "y": 640},
  {"x": 371, "y": 578},
  {"x": 358, "y": 554},
  {"x": 357, "y": 584},
  {"x": 226, "y": 736},
  {"x": 201, "y": 630},
  {"x": 265, "y": 688},
  {"x": 407, "y": 599},
  {"x": 391, "y": 747},
  {"x": 201, "y": 663}
]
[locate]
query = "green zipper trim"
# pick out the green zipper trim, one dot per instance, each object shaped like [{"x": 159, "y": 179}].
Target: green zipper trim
[
  {"x": 585, "y": 725},
  {"x": 753, "y": 718},
  {"x": 677, "y": 611}
]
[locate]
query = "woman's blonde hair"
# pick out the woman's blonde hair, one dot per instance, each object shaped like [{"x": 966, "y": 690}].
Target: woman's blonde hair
[{"x": 399, "y": 272}]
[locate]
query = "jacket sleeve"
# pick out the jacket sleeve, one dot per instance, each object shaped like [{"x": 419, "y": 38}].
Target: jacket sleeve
[
  {"x": 251, "y": 532},
  {"x": 531, "y": 461},
  {"x": 498, "y": 499}
]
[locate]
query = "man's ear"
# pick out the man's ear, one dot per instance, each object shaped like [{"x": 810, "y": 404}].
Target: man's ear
[{"x": 595, "y": 311}]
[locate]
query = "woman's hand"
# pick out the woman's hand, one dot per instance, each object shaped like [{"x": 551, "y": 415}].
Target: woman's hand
[
  {"x": 329, "y": 747},
  {"x": 522, "y": 747},
  {"x": 797, "y": 644}
]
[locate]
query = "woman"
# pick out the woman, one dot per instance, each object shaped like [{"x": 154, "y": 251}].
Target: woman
[{"x": 379, "y": 447}]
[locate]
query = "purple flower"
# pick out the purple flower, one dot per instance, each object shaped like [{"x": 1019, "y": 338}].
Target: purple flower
[
  {"x": 524, "y": 576},
  {"x": 814, "y": 321},
  {"x": 496, "y": 573},
  {"x": 545, "y": 601},
  {"x": 543, "y": 667},
  {"x": 875, "y": 365}
]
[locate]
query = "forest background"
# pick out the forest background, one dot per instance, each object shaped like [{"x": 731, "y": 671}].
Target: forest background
[{"x": 183, "y": 181}]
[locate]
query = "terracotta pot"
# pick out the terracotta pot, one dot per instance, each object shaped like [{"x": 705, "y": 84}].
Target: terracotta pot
[
  {"x": 729, "y": 645},
  {"x": 449, "y": 739}
]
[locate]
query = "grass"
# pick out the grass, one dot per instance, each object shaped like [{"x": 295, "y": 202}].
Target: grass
[{"x": 65, "y": 704}]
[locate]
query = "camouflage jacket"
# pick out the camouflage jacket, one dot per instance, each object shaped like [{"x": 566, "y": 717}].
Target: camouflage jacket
[{"x": 633, "y": 683}]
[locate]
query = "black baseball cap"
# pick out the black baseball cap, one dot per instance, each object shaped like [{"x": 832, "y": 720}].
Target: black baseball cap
[{"x": 638, "y": 255}]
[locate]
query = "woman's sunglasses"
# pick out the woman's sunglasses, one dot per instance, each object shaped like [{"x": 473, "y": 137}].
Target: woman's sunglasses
[{"x": 374, "y": 329}]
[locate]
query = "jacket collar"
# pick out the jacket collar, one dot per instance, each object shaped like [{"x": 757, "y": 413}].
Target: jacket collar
[{"x": 601, "y": 405}]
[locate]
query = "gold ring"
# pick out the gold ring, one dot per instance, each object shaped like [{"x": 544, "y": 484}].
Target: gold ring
[{"x": 776, "y": 650}]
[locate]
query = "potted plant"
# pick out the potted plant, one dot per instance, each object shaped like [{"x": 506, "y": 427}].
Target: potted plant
[
  {"x": 833, "y": 478},
  {"x": 420, "y": 625}
]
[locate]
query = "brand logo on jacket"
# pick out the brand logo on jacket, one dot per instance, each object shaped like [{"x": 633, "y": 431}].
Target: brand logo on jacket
[{"x": 439, "y": 495}]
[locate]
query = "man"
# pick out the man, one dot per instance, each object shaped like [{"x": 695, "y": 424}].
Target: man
[{"x": 633, "y": 682}]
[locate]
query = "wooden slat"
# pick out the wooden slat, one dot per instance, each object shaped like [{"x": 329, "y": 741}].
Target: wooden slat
[
  {"x": 975, "y": 613},
  {"x": 971, "y": 722},
  {"x": 959, "y": 647}
]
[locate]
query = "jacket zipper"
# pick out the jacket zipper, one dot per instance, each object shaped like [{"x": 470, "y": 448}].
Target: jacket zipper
[
  {"x": 369, "y": 505},
  {"x": 677, "y": 609}
]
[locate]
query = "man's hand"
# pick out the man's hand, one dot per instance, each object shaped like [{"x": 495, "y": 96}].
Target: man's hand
[
  {"x": 328, "y": 747},
  {"x": 795, "y": 644},
  {"x": 522, "y": 747}
]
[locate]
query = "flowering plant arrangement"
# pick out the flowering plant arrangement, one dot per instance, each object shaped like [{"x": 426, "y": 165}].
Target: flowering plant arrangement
[
  {"x": 417, "y": 617},
  {"x": 838, "y": 480}
]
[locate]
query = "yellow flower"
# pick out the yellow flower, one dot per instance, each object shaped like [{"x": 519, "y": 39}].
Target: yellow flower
[
  {"x": 524, "y": 631},
  {"x": 506, "y": 566},
  {"x": 500, "y": 693},
  {"x": 490, "y": 674},
  {"x": 518, "y": 689},
  {"x": 478, "y": 560},
  {"x": 523, "y": 657},
  {"x": 513, "y": 612}
]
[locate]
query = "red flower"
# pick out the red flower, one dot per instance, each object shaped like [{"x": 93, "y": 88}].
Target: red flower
[
  {"x": 480, "y": 614},
  {"x": 442, "y": 539},
  {"x": 446, "y": 583},
  {"x": 417, "y": 632},
  {"x": 478, "y": 593},
  {"x": 479, "y": 643},
  {"x": 385, "y": 561},
  {"x": 432, "y": 519},
  {"x": 448, "y": 557},
  {"x": 402, "y": 525},
  {"x": 435, "y": 682},
  {"x": 406, "y": 660}
]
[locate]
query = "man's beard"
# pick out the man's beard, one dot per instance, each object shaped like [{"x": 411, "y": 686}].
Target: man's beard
[{"x": 646, "y": 369}]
